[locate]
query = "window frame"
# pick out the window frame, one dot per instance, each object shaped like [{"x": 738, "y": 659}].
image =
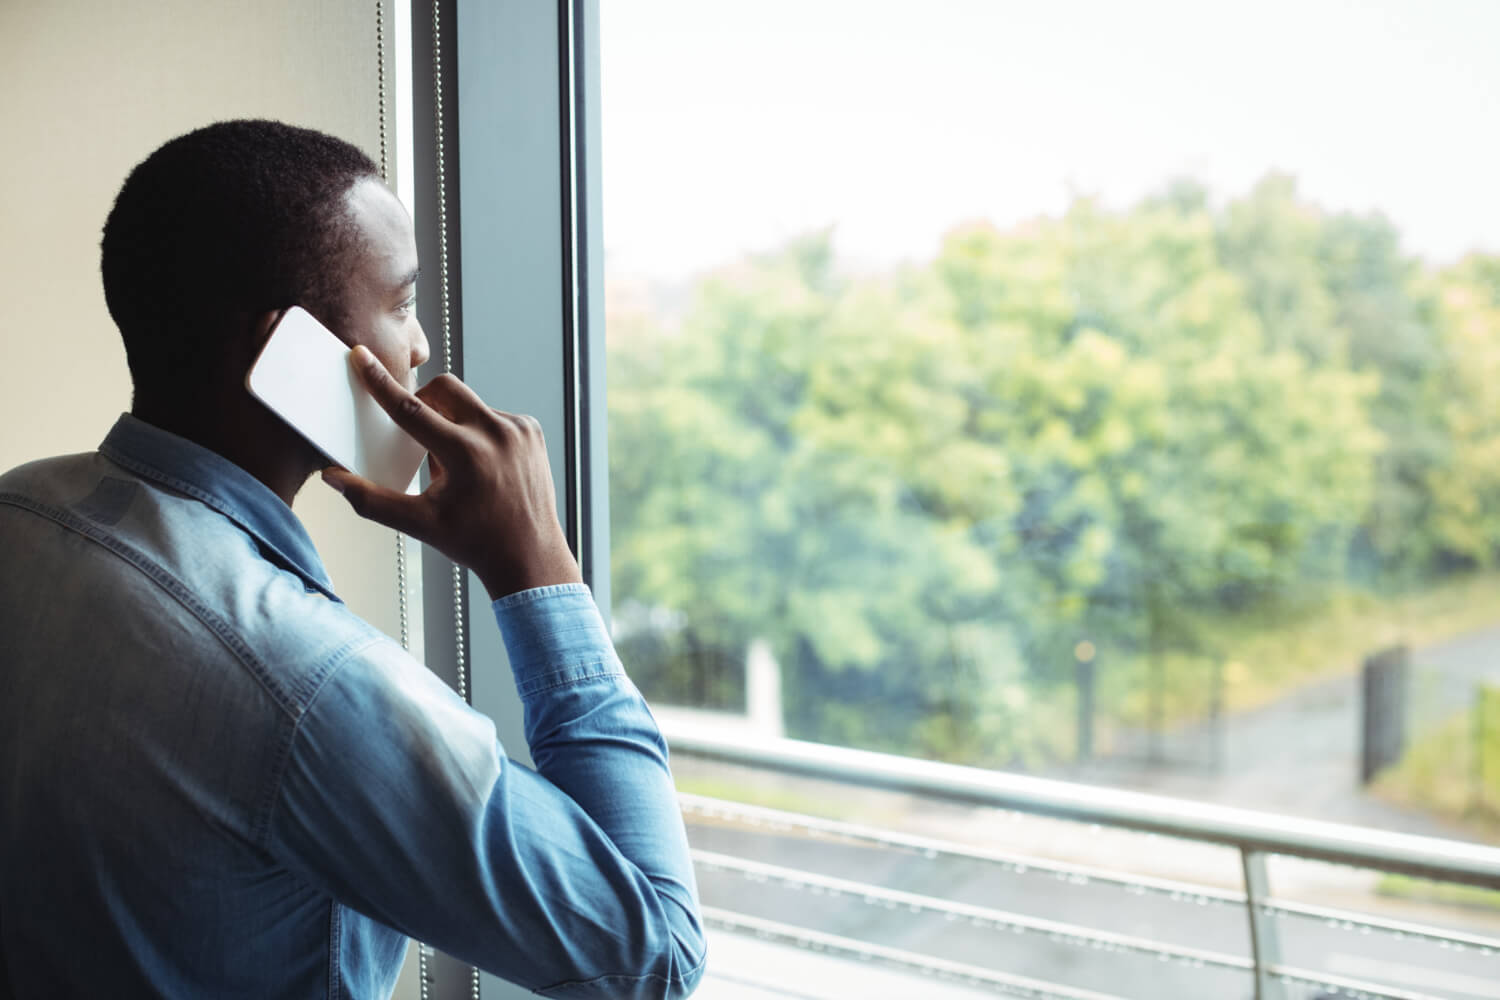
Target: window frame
[{"x": 511, "y": 91}]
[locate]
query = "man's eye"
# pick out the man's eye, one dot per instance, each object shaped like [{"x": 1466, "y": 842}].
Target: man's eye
[{"x": 407, "y": 306}]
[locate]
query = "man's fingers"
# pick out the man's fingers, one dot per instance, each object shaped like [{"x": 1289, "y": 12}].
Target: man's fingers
[
  {"x": 451, "y": 397},
  {"x": 394, "y": 510},
  {"x": 430, "y": 428}
]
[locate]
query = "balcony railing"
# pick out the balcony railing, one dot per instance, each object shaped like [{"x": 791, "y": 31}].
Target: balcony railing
[{"x": 1245, "y": 928}]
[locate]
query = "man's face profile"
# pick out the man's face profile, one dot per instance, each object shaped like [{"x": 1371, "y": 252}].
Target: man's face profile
[{"x": 381, "y": 297}]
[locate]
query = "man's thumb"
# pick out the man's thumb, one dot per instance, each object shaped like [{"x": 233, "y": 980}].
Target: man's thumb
[
  {"x": 337, "y": 478},
  {"x": 387, "y": 507}
]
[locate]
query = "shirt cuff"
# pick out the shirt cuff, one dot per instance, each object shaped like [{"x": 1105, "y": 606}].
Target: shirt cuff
[{"x": 555, "y": 638}]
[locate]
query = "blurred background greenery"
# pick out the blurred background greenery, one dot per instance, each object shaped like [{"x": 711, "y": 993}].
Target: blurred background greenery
[{"x": 1211, "y": 449}]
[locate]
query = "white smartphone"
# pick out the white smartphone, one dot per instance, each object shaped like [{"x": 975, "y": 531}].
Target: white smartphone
[{"x": 303, "y": 374}]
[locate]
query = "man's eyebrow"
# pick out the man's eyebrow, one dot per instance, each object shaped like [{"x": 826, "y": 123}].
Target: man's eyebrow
[{"x": 409, "y": 278}]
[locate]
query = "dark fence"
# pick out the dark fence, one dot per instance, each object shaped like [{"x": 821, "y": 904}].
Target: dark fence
[{"x": 1385, "y": 686}]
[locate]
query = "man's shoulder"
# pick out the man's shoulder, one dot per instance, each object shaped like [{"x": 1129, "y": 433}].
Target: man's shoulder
[
  {"x": 179, "y": 563},
  {"x": 48, "y": 479},
  {"x": 74, "y": 491},
  {"x": 135, "y": 518}
]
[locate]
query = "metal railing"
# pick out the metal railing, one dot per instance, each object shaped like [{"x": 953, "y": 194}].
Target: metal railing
[{"x": 1253, "y": 835}]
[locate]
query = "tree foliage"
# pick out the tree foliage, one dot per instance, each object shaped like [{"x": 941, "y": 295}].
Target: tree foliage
[{"x": 925, "y": 488}]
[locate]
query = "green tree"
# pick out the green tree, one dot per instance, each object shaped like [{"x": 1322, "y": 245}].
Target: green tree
[
  {"x": 1175, "y": 456},
  {"x": 760, "y": 489},
  {"x": 924, "y": 488},
  {"x": 1465, "y": 490},
  {"x": 1339, "y": 291}
]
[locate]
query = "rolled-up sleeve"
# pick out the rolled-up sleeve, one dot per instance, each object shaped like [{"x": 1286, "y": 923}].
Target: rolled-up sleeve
[{"x": 573, "y": 880}]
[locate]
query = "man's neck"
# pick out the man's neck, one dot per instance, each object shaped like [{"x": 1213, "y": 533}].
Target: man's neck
[{"x": 245, "y": 433}]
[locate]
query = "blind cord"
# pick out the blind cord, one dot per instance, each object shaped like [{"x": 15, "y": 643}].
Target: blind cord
[{"x": 460, "y": 658}]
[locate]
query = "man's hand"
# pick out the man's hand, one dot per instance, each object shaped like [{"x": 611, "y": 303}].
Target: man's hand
[{"x": 490, "y": 504}]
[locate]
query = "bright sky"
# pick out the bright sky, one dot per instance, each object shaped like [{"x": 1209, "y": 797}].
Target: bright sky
[{"x": 734, "y": 126}]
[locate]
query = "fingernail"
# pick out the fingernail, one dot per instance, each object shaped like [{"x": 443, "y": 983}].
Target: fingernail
[
  {"x": 361, "y": 354},
  {"x": 334, "y": 482}
]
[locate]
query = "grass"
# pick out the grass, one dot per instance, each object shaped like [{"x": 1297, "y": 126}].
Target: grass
[
  {"x": 1428, "y": 891},
  {"x": 1267, "y": 651},
  {"x": 765, "y": 797},
  {"x": 1439, "y": 772},
  {"x": 803, "y": 796},
  {"x": 1263, "y": 654}
]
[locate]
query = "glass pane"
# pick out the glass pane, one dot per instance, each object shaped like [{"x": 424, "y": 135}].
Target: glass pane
[
  {"x": 990, "y": 890},
  {"x": 1052, "y": 387},
  {"x": 1105, "y": 392},
  {"x": 1458, "y": 959}
]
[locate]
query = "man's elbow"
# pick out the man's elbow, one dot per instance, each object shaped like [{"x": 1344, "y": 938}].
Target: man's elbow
[
  {"x": 686, "y": 958},
  {"x": 667, "y": 963},
  {"x": 693, "y": 957}
]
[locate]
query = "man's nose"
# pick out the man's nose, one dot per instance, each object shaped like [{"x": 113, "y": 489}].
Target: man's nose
[{"x": 420, "y": 351}]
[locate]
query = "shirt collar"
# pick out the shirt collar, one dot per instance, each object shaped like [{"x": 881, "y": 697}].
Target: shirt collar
[{"x": 213, "y": 480}]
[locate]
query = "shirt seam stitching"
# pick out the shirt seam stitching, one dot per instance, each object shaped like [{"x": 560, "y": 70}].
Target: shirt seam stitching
[
  {"x": 569, "y": 680},
  {"x": 524, "y": 597},
  {"x": 332, "y": 666},
  {"x": 149, "y": 471},
  {"x": 224, "y": 632},
  {"x": 325, "y": 672},
  {"x": 335, "y": 950},
  {"x": 679, "y": 979},
  {"x": 214, "y": 503},
  {"x": 169, "y": 584}
]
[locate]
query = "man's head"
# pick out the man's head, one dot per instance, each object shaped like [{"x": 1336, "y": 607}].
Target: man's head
[{"x": 227, "y": 224}]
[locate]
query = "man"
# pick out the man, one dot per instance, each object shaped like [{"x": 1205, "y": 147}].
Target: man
[{"x": 215, "y": 780}]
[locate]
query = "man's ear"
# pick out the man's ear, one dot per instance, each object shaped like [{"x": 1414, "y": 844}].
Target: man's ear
[
  {"x": 253, "y": 340},
  {"x": 261, "y": 332}
]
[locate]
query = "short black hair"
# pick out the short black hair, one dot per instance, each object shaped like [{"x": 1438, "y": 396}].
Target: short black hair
[{"x": 231, "y": 220}]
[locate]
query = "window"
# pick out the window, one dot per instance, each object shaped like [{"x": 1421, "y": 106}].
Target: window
[{"x": 1091, "y": 391}]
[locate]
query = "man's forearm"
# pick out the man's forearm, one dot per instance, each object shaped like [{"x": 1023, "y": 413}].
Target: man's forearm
[{"x": 592, "y": 736}]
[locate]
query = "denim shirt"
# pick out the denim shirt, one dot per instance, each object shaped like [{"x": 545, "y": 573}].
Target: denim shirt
[{"x": 217, "y": 781}]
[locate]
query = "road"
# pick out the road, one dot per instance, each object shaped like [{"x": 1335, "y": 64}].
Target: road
[{"x": 1299, "y": 755}]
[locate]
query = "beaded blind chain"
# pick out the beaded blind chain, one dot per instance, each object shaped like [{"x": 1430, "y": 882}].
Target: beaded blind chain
[
  {"x": 423, "y": 951},
  {"x": 403, "y": 613},
  {"x": 441, "y": 185},
  {"x": 385, "y": 176},
  {"x": 460, "y": 658}
]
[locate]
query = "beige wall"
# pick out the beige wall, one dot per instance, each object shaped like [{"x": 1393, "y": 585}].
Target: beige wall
[{"x": 87, "y": 89}]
